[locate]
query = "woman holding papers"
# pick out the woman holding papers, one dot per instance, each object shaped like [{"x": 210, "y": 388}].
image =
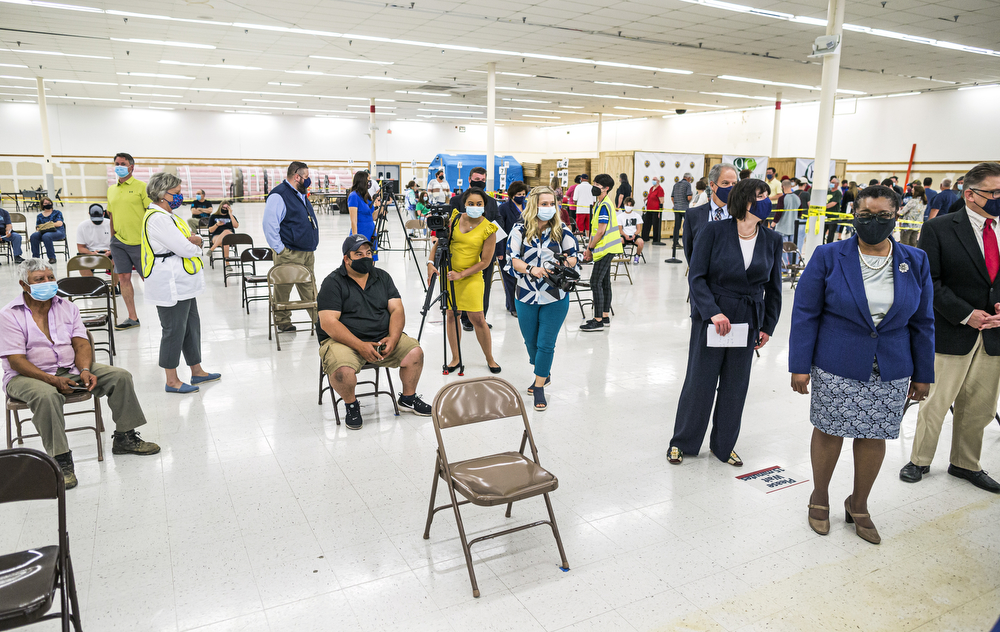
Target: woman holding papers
[
  {"x": 735, "y": 282},
  {"x": 863, "y": 333}
]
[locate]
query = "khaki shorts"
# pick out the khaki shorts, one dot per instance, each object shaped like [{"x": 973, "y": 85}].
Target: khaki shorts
[{"x": 334, "y": 355}]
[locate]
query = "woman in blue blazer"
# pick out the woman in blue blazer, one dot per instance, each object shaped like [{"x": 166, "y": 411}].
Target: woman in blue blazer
[
  {"x": 863, "y": 332},
  {"x": 735, "y": 277}
]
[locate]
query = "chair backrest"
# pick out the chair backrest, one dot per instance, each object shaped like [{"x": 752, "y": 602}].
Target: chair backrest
[
  {"x": 237, "y": 239},
  {"x": 204, "y": 222},
  {"x": 289, "y": 273},
  {"x": 18, "y": 217},
  {"x": 253, "y": 255},
  {"x": 789, "y": 246},
  {"x": 83, "y": 287},
  {"x": 27, "y": 474},
  {"x": 474, "y": 400},
  {"x": 89, "y": 262},
  {"x": 415, "y": 224}
]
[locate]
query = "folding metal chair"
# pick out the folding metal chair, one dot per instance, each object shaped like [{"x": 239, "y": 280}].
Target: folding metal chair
[
  {"x": 496, "y": 479},
  {"x": 251, "y": 257},
  {"x": 97, "y": 263},
  {"x": 94, "y": 318},
  {"x": 233, "y": 260},
  {"x": 324, "y": 385},
  {"x": 796, "y": 262},
  {"x": 287, "y": 274}
]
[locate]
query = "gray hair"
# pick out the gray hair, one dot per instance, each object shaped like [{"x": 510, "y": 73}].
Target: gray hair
[
  {"x": 688, "y": 175},
  {"x": 978, "y": 174},
  {"x": 159, "y": 184},
  {"x": 716, "y": 172},
  {"x": 32, "y": 265}
]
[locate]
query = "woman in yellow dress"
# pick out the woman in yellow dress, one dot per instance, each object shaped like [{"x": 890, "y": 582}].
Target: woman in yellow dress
[{"x": 473, "y": 241}]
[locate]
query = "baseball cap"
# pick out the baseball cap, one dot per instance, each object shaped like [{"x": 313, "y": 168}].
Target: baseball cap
[
  {"x": 96, "y": 210},
  {"x": 354, "y": 242}
]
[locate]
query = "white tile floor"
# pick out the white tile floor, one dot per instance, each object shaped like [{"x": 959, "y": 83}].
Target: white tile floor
[{"x": 261, "y": 514}]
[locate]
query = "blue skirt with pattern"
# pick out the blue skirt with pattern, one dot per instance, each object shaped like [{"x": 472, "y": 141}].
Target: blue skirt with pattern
[{"x": 857, "y": 410}]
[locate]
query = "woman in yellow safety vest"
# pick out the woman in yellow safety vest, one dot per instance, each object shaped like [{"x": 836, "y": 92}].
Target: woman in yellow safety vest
[{"x": 172, "y": 268}]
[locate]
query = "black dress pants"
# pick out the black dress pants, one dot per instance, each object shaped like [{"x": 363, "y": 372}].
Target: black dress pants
[{"x": 714, "y": 375}]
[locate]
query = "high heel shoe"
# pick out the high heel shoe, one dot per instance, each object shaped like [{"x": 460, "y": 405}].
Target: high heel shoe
[
  {"x": 451, "y": 369},
  {"x": 821, "y": 527},
  {"x": 869, "y": 534}
]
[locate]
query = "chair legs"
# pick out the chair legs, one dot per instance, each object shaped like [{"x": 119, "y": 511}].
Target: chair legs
[{"x": 337, "y": 399}]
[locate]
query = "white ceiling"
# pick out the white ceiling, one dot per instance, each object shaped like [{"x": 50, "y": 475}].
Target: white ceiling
[{"x": 678, "y": 34}]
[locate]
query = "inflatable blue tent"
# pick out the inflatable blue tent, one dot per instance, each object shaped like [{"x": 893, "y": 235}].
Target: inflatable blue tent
[{"x": 457, "y": 166}]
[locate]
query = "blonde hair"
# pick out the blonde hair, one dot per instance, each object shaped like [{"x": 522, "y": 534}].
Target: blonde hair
[{"x": 532, "y": 229}]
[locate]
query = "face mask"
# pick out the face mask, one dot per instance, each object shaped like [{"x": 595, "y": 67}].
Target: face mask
[
  {"x": 596, "y": 191},
  {"x": 519, "y": 200},
  {"x": 833, "y": 185},
  {"x": 762, "y": 208},
  {"x": 98, "y": 220},
  {"x": 545, "y": 213},
  {"x": 723, "y": 193},
  {"x": 474, "y": 212},
  {"x": 175, "y": 201},
  {"x": 441, "y": 178},
  {"x": 121, "y": 171},
  {"x": 47, "y": 207},
  {"x": 992, "y": 207},
  {"x": 795, "y": 188},
  {"x": 875, "y": 230},
  {"x": 198, "y": 197},
  {"x": 770, "y": 176},
  {"x": 43, "y": 291},
  {"x": 959, "y": 185},
  {"x": 629, "y": 208},
  {"x": 477, "y": 184},
  {"x": 364, "y": 265},
  {"x": 224, "y": 212}
]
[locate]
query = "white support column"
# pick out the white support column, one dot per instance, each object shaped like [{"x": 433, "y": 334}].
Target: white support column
[
  {"x": 50, "y": 183},
  {"x": 824, "y": 134},
  {"x": 491, "y": 122},
  {"x": 600, "y": 134},
  {"x": 777, "y": 126},
  {"x": 372, "y": 129}
]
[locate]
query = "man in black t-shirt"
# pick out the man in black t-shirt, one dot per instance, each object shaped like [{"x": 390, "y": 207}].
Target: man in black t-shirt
[
  {"x": 201, "y": 208},
  {"x": 361, "y": 322}
]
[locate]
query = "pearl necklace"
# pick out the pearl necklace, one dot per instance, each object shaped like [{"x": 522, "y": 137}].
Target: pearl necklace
[
  {"x": 887, "y": 259},
  {"x": 750, "y": 236}
]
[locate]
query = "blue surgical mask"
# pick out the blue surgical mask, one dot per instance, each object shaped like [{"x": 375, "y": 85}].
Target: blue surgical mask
[
  {"x": 723, "y": 193},
  {"x": 474, "y": 212},
  {"x": 545, "y": 213},
  {"x": 198, "y": 197},
  {"x": 121, "y": 171},
  {"x": 43, "y": 291},
  {"x": 762, "y": 208},
  {"x": 175, "y": 202},
  {"x": 959, "y": 185}
]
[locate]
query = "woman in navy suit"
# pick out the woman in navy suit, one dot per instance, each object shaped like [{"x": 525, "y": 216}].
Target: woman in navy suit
[
  {"x": 863, "y": 332},
  {"x": 735, "y": 277}
]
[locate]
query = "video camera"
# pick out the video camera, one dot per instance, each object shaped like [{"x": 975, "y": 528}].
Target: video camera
[
  {"x": 437, "y": 218},
  {"x": 561, "y": 276}
]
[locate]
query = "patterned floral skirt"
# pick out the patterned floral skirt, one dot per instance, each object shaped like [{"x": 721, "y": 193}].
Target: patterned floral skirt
[{"x": 857, "y": 410}]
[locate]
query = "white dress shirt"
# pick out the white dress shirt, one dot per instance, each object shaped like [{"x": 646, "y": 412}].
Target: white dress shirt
[
  {"x": 169, "y": 282},
  {"x": 711, "y": 214}
]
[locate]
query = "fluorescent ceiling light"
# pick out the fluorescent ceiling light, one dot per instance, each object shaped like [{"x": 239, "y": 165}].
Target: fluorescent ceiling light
[
  {"x": 618, "y": 83},
  {"x": 282, "y": 83},
  {"x": 152, "y": 74},
  {"x": 845, "y": 91},
  {"x": 15, "y": 76},
  {"x": 54, "y": 5},
  {"x": 468, "y": 105},
  {"x": 526, "y": 100},
  {"x": 619, "y": 107},
  {"x": 705, "y": 105},
  {"x": 51, "y": 52},
  {"x": 463, "y": 112},
  {"x": 428, "y": 94},
  {"x": 360, "y": 61},
  {"x": 549, "y": 116},
  {"x": 226, "y": 66},
  {"x": 268, "y": 101},
  {"x": 381, "y": 107},
  {"x": 92, "y": 83},
  {"x": 509, "y": 74},
  {"x": 130, "y": 14},
  {"x": 13, "y": 65},
  {"x": 574, "y": 107},
  {"x": 767, "y": 82},
  {"x": 581, "y": 94},
  {"x": 151, "y": 94},
  {"x": 902, "y": 94},
  {"x": 391, "y": 79},
  {"x": 156, "y": 107},
  {"x": 992, "y": 85},
  {"x": 23, "y": 87},
  {"x": 303, "y": 72},
  {"x": 162, "y": 43},
  {"x": 56, "y": 96},
  {"x": 737, "y": 96},
  {"x": 19, "y": 100}
]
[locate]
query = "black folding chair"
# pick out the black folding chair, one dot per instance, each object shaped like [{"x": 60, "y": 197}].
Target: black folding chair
[
  {"x": 94, "y": 318},
  {"x": 250, "y": 257},
  {"x": 29, "y": 579}
]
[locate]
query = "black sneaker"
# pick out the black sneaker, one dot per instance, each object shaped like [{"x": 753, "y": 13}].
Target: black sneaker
[
  {"x": 606, "y": 322},
  {"x": 131, "y": 443},
  {"x": 287, "y": 327},
  {"x": 65, "y": 462},
  {"x": 353, "y": 419},
  {"x": 18, "y": 260},
  {"x": 415, "y": 405},
  {"x": 592, "y": 325},
  {"x": 52, "y": 261}
]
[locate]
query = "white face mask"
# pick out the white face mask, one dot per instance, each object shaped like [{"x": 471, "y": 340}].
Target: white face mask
[
  {"x": 474, "y": 212},
  {"x": 629, "y": 208},
  {"x": 545, "y": 213}
]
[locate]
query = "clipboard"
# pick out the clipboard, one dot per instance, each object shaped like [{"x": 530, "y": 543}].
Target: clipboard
[{"x": 738, "y": 336}]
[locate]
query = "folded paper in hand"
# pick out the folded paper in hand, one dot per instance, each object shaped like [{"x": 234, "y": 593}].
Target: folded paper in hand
[{"x": 737, "y": 336}]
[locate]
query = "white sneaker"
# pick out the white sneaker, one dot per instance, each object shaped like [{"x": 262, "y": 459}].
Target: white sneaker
[{"x": 635, "y": 259}]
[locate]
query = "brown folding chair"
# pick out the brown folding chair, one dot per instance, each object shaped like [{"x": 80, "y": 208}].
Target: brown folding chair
[
  {"x": 324, "y": 385},
  {"x": 99, "y": 318},
  {"x": 497, "y": 479},
  {"x": 424, "y": 236},
  {"x": 15, "y": 405},
  {"x": 29, "y": 579},
  {"x": 797, "y": 262},
  {"x": 288, "y": 274}
]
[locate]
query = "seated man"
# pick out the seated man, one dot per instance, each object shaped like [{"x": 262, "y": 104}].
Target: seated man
[
  {"x": 46, "y": 352},
  {"x": 8, "y": 234},
  {"x": 93, "y": 236},
  {"x": 201, "y": 209},
  {"x": 361, "y": 321}
]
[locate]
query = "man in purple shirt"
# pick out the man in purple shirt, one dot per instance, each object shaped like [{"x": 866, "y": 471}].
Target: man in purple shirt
[{"x": 46, "y": 354}]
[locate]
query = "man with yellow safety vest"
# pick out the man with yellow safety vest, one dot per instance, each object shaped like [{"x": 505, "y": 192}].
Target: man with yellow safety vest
[{"x": 605, "y": 242}]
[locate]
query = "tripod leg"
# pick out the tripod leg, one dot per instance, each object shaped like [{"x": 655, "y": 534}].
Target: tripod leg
[{"x": 427, "y": 304}]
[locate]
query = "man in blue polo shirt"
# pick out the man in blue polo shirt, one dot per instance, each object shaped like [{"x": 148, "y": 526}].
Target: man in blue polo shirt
[
  {"x": 291, "y": 230},
  {"x": 942, "y": 201}
]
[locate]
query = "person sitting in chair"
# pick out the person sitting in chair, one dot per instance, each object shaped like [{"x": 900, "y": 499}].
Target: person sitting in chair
[
  {"x": 361, "y": 322},
  {"x": 47, "y": 355}
]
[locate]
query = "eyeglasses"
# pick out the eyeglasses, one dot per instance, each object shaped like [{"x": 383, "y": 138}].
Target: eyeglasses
[
  {"x": 865, "y": 218},
  {"x": 994, "y": 195}
]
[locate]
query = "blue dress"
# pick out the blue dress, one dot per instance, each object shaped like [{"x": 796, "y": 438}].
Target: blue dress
[{"x": 366, "y": 221}]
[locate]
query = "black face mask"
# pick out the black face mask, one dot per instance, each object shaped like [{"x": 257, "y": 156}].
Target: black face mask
[
  {"x": 875, "y": 230},
  {"x": 365, "y": 265},
  {"x": 477, "y": 184},
  {"x": 224, "y": 212},
  {"x": 596, "y": 191},
  {"x": 46, "y": 208}
]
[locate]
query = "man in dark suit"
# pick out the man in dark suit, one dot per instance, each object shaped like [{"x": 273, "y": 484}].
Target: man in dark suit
[
  {"x": 721, "y": 179},
  {"x": 477, "y": 180},
  {"x": 964, "y": 256}
]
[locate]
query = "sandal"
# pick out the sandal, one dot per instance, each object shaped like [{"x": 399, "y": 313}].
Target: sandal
[
  {"x": 734, "y": 459},
  {"x": 539, "y": 394},
  {"x": 675, "y": 456},
  {"x": 531, "y": 389}
]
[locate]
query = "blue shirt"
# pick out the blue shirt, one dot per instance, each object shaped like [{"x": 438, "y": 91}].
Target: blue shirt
[
  {"x": 4, "y": 220},
  {"x": 55, "y": 216},
  {"x": 366, "y": 224},
  {"x": 943, "y": 201}
]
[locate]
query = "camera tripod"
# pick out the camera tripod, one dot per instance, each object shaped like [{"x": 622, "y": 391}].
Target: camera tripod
[
  {"x": 446, "y": 300},
  {"x": 382, "y": 232}
]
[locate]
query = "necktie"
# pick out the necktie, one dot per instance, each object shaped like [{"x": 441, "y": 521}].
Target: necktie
[
  {"x": 991, "y": 250},
  {"x": 716, "y": 214}
]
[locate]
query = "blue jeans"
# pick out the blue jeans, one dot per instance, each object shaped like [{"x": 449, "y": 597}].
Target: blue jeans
[
  {"x": 15, "y": 242},
  {"x": 540, "y": 325},
  {"x": 47, "y": 237}
]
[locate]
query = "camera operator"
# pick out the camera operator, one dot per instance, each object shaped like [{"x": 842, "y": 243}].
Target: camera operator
[
  {"x": 542, "y": 307},
  {"x": 473, "y": 246},
  {"x": 363, "y": 209},
  {"x": 605, "y": 242},
  {"x": 477, "y": 182}
]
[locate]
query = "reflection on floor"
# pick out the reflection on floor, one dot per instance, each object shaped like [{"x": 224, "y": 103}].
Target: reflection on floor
[{"x": 261, "y": 514}]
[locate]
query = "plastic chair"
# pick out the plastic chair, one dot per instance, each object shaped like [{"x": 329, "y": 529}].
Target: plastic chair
[
  {"x": 287, "y": 274},
  {"x": 251, "y": 256},
  {"x": 101, "y": 318},
  {"x": 97, "y": 263},
  {"x": 496, "y": 479},
  {"x": 29, "y": 579},
  {"x": 324, "y": 385}
]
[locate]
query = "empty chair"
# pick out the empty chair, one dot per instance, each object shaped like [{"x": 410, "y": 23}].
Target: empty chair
[
  {"x": 794, "y": 262},
  {"x": 496, "y": 479},
  {"x": 231, "y": 242},
  {"x": 251, "y": 257},
  {"x": 287, "y": 274},
  {"x": 29, "y": 579},
  {"x": 95, "y": 317},
  {"x": 418, "y": 232},
  {"x": 97, "y": 263}
]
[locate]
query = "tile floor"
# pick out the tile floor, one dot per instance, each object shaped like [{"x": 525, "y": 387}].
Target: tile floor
[{"x": 261, "y": 514}]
